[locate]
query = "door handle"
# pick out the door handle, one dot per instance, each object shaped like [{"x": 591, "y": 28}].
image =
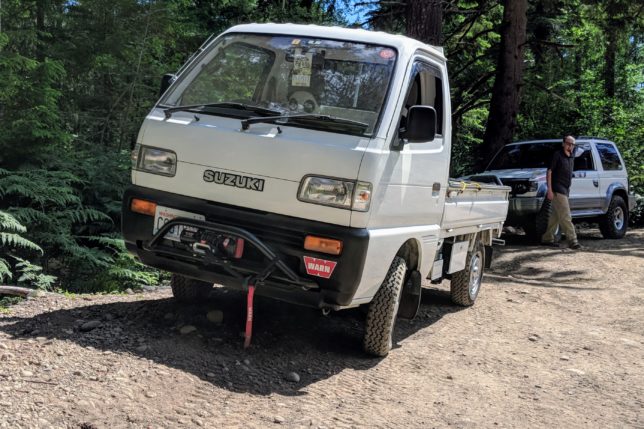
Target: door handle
[
  {"x": 596, "y": 183},
  {"x": 436, "y": 187}
]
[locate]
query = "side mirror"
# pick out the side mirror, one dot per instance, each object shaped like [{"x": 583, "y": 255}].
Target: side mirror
[
  {"x": 421, "y": 124},
  {"x": 166, "y": 81}
]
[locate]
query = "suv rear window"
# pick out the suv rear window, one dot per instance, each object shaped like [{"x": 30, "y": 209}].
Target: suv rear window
[{"x": 609, "y": 157}]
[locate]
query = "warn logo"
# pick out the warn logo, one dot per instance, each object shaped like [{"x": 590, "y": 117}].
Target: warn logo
[
  {"x": 229, "y": 179},
  {"x": 319, "y": 267}
]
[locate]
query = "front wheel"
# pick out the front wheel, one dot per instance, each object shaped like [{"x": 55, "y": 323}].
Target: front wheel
[
  {"x": 381, "y": 316},
  {"x": 613, "y": 224},
  {"x": 466, "y": 284}
]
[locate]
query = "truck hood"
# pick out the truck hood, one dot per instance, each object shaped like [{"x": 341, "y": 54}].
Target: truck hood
[
  {"x": 260, "y": 168},
  {"x": 518, "y": 173}
]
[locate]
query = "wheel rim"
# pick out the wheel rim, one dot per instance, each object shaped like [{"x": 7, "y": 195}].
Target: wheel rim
[
  {"x": 618, "y": 217},
  {"x": 475, "y": 274}
]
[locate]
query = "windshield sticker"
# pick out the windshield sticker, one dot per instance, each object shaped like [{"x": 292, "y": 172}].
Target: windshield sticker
[
  {"x": 302, "y": 65},
  {"x": 295, "y": 42},
  {"x": 387, "y": 54}
]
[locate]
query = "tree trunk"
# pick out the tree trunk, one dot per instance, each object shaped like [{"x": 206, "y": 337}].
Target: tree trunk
[
  {"x": 17, "y": 291},
  {"x": 425, "y": 21},
  {"x": 506, "y": 92},
  {"x": 614, "y": 26}
]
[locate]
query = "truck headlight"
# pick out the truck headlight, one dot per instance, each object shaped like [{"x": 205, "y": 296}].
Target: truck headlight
[
  {"x": 156, "y": 161},
  {"x": 344, "y": 194}
]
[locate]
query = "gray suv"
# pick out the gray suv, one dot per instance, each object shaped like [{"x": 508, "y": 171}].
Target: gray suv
[{"x": 599, "y": 191}]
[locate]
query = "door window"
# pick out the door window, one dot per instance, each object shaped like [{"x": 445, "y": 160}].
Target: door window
[
  {"x": 426, "y": 90},
  {"x": 609, "y": 157},
  {"x": 583, "y": 158}
]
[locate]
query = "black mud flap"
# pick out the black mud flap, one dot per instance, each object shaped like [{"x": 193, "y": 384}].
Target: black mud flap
[
  {"x": 410, "y": 298},
  {"x": 488, "y": 256}
]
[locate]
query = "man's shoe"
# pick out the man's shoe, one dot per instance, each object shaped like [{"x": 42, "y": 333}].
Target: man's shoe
[
  {"x": 549, "y": 244},
  {"x": 575, "y": 246}
]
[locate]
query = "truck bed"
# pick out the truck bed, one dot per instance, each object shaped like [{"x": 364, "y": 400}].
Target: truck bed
[{"x": 472, "y": 206}]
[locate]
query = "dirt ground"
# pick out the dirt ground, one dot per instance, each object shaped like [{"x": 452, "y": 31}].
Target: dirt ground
[{"x": 555, "y": 340}]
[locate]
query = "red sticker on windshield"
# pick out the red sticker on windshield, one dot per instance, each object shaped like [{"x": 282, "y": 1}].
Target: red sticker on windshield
[
  {"x": 319, "y": 267},
  {"x": 387, "y": 54}
]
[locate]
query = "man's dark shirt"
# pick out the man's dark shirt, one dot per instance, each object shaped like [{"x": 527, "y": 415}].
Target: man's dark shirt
[{"x": 561, "y": 167}]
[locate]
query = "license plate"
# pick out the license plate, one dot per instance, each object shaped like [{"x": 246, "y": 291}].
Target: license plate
[{"x": 164, "y": 215}]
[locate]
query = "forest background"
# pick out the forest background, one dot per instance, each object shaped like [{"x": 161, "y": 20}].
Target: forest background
[{"x": 77, "y": 77}]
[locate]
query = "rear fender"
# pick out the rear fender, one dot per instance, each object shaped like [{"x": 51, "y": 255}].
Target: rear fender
[{"x": 614, "y": 188}]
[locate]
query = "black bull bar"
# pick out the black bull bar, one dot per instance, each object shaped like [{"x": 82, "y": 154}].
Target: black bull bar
[{"x": 256, "y": 276}]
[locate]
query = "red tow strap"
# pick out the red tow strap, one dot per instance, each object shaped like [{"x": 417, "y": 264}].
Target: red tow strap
[{"x": 249, "y": 316}]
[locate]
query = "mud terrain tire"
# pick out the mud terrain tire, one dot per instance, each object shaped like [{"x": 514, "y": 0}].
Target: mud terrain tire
[
  {"x": 381, "y": 317},
  {"x": 466, "y": 284},
  {"x": 614, "y": 223},
  {"x": 189, "y": 291}
]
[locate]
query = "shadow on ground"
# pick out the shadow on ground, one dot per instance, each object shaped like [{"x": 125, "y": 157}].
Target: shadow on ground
[
  {"x": 286, "y": 337},
  {"x": 520, "y": 252}
]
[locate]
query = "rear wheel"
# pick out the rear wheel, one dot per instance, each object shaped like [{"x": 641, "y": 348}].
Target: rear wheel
[
  {"x": 381, "y": 317},
  {"x": 466, "y": 284},
  {"x": 613, "y": 224},
  {"x": 189, "y": 291}
]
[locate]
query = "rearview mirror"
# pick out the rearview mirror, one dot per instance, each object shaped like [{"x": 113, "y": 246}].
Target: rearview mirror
[
  {"x": 166, "y": 81},
  {"x": 421, "y": 124}
]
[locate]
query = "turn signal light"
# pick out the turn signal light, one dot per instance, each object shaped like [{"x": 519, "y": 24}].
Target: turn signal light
[
  {"x": 144, "y": 207},
  {"x": 323, "y": 245}
]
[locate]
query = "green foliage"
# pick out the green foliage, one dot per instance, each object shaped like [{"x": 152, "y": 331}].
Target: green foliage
[
  {"x": 124, "y": 270},
  {"x": 32, "y": 275},
  {"x": 11, "y": 244}
]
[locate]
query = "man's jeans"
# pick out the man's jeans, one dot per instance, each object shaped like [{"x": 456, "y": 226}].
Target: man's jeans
[{"x": 560, "y": 216}]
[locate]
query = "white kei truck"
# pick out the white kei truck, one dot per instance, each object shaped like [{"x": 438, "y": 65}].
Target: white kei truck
[{"x": 310, "y": 164}]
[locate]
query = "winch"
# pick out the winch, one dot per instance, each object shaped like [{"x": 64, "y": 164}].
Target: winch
[{"x": 210, "y": 242}]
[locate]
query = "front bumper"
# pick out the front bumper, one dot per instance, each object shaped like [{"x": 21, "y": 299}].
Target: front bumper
[
  {"x": 521, "y": 208},
  {"x": 283, "y": 235}
]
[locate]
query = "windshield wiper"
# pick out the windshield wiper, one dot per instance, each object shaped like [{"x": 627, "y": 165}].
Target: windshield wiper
[
  {"x": 168, "y": 111},
  {"x": 246, "y": 123}
]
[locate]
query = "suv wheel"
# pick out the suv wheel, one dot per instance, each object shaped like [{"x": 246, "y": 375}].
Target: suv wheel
[{"x": 613, "y": 224}]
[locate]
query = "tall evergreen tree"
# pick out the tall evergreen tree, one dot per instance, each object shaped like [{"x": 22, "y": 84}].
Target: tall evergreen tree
[{"x": 506, "y": 93}]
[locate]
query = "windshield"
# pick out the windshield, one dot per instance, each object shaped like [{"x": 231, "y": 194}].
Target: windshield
[
  {"x": 291, "y": 75},
  {"x": 526, "y": 155}
]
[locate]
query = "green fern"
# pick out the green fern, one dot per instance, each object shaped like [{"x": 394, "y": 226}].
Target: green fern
[
  {"x": 5, "y": 270},
  {"x": 32, "y": 275},
  {"x": 10, "y": 224},
  {"x": 29, "y": 215},
  {"x": 10, "y": 242},
  {"x": 8, "y": 239}
]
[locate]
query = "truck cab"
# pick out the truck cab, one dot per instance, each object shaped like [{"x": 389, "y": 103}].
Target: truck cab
[{"x": 311, "y": 163}]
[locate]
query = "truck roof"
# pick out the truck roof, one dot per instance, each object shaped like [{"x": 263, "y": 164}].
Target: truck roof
[{"x": 404, "y": 45}]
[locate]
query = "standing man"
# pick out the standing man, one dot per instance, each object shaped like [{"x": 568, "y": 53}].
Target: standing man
[{"x": 559, "y": 180}]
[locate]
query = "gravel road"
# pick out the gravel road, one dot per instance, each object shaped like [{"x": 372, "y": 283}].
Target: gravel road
[{"x": 555, "y": 340}]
